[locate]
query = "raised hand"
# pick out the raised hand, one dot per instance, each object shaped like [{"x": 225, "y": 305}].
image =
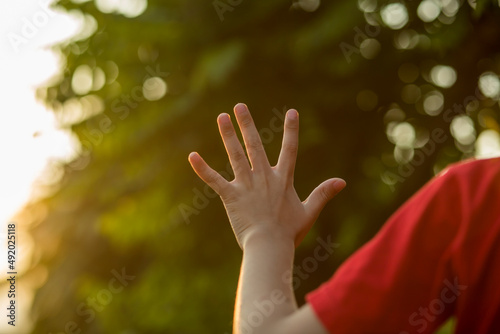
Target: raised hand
[{"x": 261, "y": 200}]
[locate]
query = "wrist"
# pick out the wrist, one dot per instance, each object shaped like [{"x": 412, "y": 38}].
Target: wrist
[{"x": 266, "y": 236}]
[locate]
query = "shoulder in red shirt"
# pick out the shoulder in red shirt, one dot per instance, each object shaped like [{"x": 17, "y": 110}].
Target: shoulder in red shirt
[{"x": 437, "y": 256}]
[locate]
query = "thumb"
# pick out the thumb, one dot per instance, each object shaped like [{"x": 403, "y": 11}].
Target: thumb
[{"x": 323, "y": 193}]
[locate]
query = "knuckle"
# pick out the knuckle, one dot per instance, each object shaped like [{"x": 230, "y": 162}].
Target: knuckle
[
  {"x": 238, "y": 155},
  {"x": 227, "y": 131},
  {"x": 292, "y": 148},
  {"x": 246, "y": 121},
  {"x": 212, "y": 180},
  {"x": 220, "y": 187},
  {"x": 325, "y": 194},
  {"x": 255, "y": 145}
]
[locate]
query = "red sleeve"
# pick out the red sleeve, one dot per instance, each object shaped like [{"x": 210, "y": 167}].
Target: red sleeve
[{"x": 433, "y": 258}]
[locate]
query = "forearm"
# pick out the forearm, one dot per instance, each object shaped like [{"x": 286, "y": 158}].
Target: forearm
[{"x": 265, "y": 296}]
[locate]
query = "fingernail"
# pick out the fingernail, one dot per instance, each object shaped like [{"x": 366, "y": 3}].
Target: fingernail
[
  {"x": 224, "y": 118},
  {"x": 339, "y": 185},
  {"x": 239, "y": 108},
  {"x": 292, "y": 114},
  {"x": 191, "y": 155}
]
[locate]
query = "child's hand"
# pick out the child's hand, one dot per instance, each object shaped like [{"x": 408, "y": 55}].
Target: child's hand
[{"x": 261, "y": 200}]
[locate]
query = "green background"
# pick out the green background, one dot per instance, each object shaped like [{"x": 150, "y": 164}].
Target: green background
[{"x": 131, "y": 199}]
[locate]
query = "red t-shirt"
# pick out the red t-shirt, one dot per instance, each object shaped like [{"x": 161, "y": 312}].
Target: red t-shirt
[{"x": 437, "y": 256}]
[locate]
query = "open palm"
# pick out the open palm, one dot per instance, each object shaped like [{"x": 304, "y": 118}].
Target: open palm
[{"x": 262, "y": 198}]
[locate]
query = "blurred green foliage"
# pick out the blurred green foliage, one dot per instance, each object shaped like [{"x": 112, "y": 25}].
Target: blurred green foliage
[{"x": 131, "y": 199}]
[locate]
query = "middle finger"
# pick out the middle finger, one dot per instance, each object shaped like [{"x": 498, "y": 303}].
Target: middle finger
[{"x": 251, "y": 137}]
